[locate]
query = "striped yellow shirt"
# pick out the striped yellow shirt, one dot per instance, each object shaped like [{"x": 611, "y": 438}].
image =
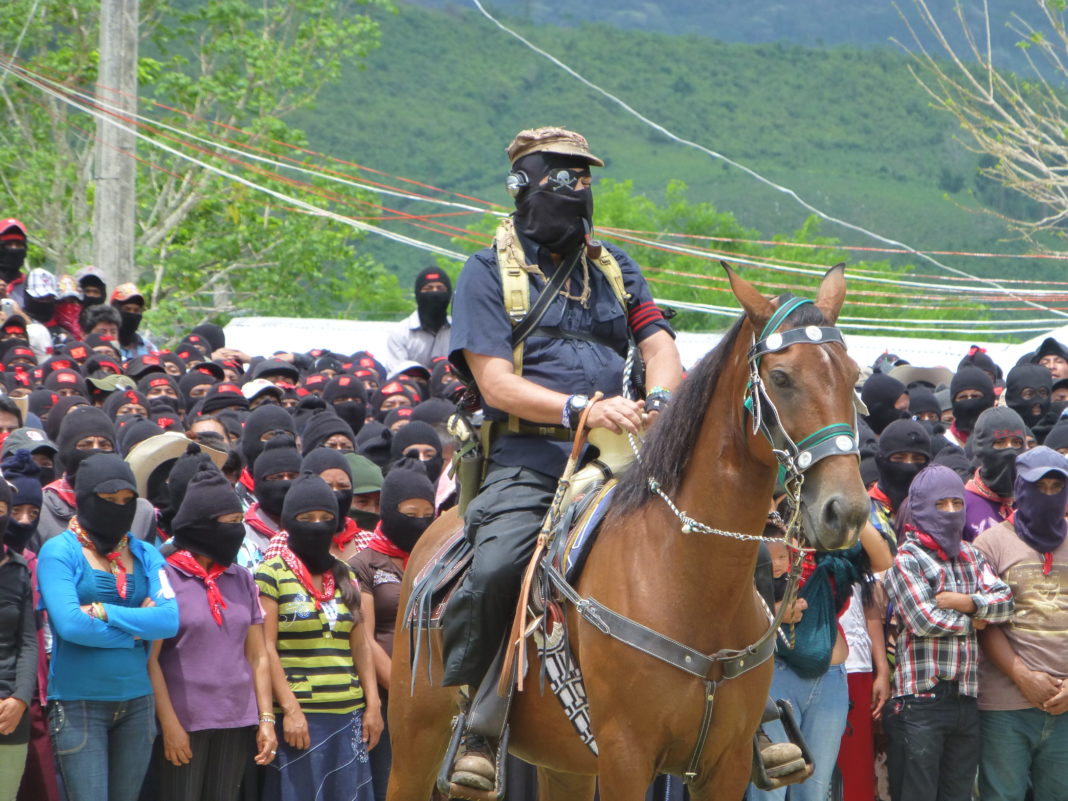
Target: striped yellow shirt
[{"x": 312, "y": 644}]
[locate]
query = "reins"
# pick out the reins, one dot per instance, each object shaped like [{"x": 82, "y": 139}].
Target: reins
[{"x": 794, "y": 459}]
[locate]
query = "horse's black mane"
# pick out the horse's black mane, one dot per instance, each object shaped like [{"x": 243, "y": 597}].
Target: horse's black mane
[{"x": 667, "y": 449}]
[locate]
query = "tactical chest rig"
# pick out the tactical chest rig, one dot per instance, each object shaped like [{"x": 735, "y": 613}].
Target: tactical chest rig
[{"x": 516, "y": 272}]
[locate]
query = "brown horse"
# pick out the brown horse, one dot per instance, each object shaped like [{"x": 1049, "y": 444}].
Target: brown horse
[{"x": 692, "y": 586}]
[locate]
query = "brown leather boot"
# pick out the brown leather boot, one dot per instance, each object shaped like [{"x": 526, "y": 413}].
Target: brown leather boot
[
  {"x": 780, "y": 759},
  {"x": 475, "y": 765}
]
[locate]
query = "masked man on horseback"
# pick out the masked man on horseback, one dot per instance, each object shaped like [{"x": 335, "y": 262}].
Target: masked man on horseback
[{"x": 541, "y": 322}]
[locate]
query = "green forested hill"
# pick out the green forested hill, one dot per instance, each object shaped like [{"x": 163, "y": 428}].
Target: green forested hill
[{"x": 846, "y": 127}]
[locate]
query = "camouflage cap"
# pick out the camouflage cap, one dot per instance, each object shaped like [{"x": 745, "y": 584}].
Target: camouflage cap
[{"x": 551, "y": 140}]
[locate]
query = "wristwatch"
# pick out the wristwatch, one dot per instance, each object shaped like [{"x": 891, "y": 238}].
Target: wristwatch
[{"x": 573, "y": 409}]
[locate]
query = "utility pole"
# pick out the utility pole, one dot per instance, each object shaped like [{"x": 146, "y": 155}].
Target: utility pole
[{"x": 115, "y": 198}]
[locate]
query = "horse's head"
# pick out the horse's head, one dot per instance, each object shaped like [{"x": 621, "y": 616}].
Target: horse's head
[{"x": 806, "y": 392}]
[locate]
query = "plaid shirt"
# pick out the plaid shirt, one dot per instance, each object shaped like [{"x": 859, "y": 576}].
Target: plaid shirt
[{"x": 939, "y": 644}]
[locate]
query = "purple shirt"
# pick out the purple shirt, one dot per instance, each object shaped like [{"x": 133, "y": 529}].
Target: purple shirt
[
  {"x": 208, "y": 677},
  {"x": 979, "y": 514}
]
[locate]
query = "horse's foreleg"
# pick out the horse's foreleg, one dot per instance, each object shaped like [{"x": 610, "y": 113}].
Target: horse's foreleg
[
  {"x": 625, "y": 769},
  {"x": 555, "y": 786}
]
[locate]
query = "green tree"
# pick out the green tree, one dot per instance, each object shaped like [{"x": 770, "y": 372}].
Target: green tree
[{"x": 207, "y": 246}]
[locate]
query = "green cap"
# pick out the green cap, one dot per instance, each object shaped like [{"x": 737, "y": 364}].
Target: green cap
[
  {"x": 366, "y": 477},
  {"x": 30, "y": 439}
]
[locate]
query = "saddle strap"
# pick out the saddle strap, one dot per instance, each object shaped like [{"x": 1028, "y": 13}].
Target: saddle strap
[
  {"x": 702, "y": 733},
  {"x": 732, "y": 663}
]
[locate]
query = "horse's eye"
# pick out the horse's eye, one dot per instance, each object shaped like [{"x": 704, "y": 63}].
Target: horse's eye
[{"x": 779, "y": 379}]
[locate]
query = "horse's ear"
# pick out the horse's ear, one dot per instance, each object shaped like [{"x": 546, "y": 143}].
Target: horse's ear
[
  {"x": 757, "y": 307},
  {"x": 832, "y": 292}
]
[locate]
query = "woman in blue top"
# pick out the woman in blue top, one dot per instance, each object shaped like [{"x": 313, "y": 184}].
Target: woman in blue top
[{"x": 107, "y": 598}]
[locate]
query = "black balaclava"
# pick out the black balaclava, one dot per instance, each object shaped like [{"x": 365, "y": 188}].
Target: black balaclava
[
  {"x": 196, "y": 526},
  {"x": 105, "y": 522},
  {"x": 554, "y": 215},
  {"x": 322, "y": 459},
  {"x": 997, "y": 467},
  {"x": 953, "y": 457},
  {"x": 1028, "y": 376},
  {"x": 42, "y": 310},
  {"x": 433, "y": 306},
  {"x": 922, "y": 400},
  {"x": 213, "y": 333},
  {"x": 260, "y": 421},
  {"x": 131, "y": 321},
  {"x": 120, "y": 398},
  {"x": 310, "y": 541},
  {"x": 418, "y": 433},
  {"x": 181, "y": 473},
  {"x": 81, "y": 422},
  {"x": 279, "y": 456},
  {"x": 901, "y": 436},
  {"x": 11, "y": 261},
  {"x": 373, "y": 441},
  {"x": 321, "y": 426},
  {"x": 1057, "y": 437},
  {"x": 966, "y": 412},
  {"x": 406, "y": 480},
  {"x": 5, "y": 519},
  {"x": 879, "y": 394},
  {"x": 59, "y": 414},
  {"x": 22, "y": 472},
  {"x": 346, "y": 395}
]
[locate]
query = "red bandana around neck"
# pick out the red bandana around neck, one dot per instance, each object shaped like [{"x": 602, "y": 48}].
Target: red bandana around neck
[
  {"x": 346, "y": 535},
  {"x": 187, "y": 562},
  {"x": 63, "y": 489},
  {"x": 115, "y": 565},
  {"x": 381, "y": 543},
  {"x": 300, "y": 570}
]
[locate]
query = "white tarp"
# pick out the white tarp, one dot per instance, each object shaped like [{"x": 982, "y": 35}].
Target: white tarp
[{"x": 262, "y": 336}]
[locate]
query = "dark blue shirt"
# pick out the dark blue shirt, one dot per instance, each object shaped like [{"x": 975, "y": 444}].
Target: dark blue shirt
[{"x": 481, "y": 325}]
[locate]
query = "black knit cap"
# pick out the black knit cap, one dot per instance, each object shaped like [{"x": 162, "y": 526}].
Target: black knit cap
[
  {"x": 136, "y": 431},
  {"x": 104, "y": 472},
  {"x": 1057, "y": 437},
  {"x": 309, "y": 493},
  {"x": 344, "y": 386},
  {"x": 66, "y": 379},
  {"x": 120, "y": 398},
  {"x": 429, "y": 274},
  {"x": 905, "y": 436},
  {"x": 81, "y": 422},
  {"x": 59, "y": 413},
  {"x": 923, "y": 400},
  {"x": 157, "y": 379},
  {"x": 322, "y": 425},
  {"x": 259, "y": 422},
  {"x": 433, "y": 410},
  {"x": 185, "y": 467},
  {"x": 415, "y": 433},
  {"x": 188, "y": 382},
  {"x": 970, "y": 377},
  {"x": 206, "y": 496},
  {"x": 279, "y": 456},
  {"x": 322, "y": 459},
  {"x": 41, "y": 402},
  {"x": 214, "y": 334},
  {"x": 374, "y": 441},
  {"x": 223, "y": 395},
  {"x": 406, "y": 480}
]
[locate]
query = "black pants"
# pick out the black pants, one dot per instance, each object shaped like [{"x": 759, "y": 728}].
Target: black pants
[
  {"x": 503, "y": 523},
  {"x": 934, "y": 745},
  {"x": 215, "y": 772}
]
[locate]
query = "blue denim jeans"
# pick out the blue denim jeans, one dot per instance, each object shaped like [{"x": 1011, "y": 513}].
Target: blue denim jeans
[
  {"x": 1021, "y": 748},
  {"x": 821, "y": 706},
  {"x": 103, "y": 747}
]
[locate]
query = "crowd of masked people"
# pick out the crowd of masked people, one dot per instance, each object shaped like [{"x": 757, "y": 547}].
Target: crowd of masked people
[
  {"x": 935, "y": 667},
  {"x": 202, "y": 551}
]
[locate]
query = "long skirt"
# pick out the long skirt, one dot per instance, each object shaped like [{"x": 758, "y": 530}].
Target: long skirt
[{"x": 335, "y": 767}]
